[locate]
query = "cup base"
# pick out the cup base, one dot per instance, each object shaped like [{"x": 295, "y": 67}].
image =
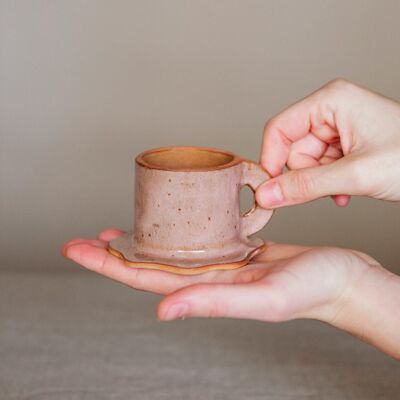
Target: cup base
[{"x": 122, "y": 248}]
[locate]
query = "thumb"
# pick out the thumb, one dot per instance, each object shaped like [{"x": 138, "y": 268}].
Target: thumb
[
  {"x": 302, "y": 185},
  {"x": 251, "y": 301}
]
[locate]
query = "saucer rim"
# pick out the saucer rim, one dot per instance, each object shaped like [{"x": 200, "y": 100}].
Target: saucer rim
[{"x": 189, "y": 270}]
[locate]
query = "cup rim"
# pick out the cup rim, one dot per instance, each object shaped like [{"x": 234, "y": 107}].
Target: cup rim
[{"x": 140, "y": 159}]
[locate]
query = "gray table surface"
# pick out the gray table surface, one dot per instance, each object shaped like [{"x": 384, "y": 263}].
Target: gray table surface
[{"x": 80, "y": 336}]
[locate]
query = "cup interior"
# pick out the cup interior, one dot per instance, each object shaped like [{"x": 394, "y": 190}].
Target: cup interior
[{"x": 186, "y": 159}]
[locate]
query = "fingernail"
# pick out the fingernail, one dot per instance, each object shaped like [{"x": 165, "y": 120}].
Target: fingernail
[
  {"x": 176, "y": 311},
  {"x": 271, "y": 195}
]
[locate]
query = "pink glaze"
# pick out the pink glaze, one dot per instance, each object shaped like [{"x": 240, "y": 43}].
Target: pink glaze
[{"x": 187, "y": 210}]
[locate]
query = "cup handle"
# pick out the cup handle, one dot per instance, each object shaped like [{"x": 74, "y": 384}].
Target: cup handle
[{"x": 255, "y": 219}]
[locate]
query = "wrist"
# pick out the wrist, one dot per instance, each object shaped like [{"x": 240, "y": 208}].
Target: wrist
[
  {"x": 369, "y": 308},
  {"x": 356, "y": 295}
]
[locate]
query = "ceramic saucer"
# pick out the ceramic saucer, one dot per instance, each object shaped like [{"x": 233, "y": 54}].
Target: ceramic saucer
[{"x": 190, "y": 264}]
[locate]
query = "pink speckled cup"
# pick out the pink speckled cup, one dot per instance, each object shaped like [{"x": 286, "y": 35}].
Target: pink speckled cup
[{"x": 187, "y": 212}]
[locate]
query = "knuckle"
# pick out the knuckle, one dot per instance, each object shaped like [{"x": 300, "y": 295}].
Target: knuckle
[
  {"x": 338, "y": 83},
  {"x": 136, "y": 281},
  {"x": 103, "y": 265},
  {"x": 366, "y": 258},
  {"x": 338, "y": 86},
  {"x": 215, "y": 306},
  {"x": 270, "y": 123},
  {"x": 324, "y": 253},
  {"x": 302, "y": 186},
  {"x": 360, "y": 179}
]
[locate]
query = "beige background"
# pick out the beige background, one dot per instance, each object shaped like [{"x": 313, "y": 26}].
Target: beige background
[{"x": 84, "y": 85}]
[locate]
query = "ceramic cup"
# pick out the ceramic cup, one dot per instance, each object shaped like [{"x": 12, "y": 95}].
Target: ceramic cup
[{"x": 187, "y": 211}]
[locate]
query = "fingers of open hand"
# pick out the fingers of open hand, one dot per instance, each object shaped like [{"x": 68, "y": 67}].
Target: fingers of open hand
[
  {"x": 78, "y": 241},
  {"x": 102, "y": 240},
  {"x": 98, "y": 259},
  {"x": 110, "y": 234},
  {"x": 93, "y": 255},
  {"x": 252, "y": 301}
]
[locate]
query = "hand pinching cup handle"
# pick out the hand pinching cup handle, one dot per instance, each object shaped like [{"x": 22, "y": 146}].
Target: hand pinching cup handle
[{"x": 256, "y": 218}]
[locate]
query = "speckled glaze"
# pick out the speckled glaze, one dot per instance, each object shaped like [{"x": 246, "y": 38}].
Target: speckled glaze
[{"x": 187, "y": 211}]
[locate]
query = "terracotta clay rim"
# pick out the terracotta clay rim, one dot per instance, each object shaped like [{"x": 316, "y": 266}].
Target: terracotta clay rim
[
  {"x": 188, "y": 271},
  {"x": 235, "y": 158}
]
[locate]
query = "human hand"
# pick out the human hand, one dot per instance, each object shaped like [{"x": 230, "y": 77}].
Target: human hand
[
  {"x": 344, "y": 288},
  {"x": 341, "y": 140},
  {"x": 283, "y": 283}
]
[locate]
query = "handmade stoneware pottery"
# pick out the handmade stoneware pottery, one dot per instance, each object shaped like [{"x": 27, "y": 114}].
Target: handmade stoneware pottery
[{"x": 187, "y": 212}]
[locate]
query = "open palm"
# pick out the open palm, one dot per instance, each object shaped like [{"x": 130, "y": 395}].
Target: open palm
[{"x": 284, "y": 282}]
